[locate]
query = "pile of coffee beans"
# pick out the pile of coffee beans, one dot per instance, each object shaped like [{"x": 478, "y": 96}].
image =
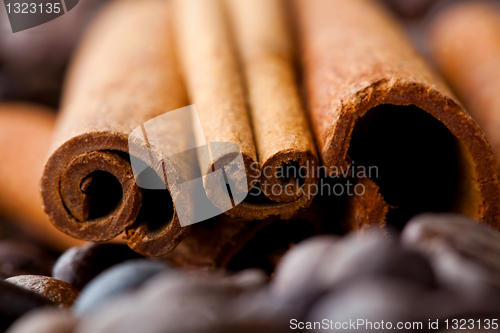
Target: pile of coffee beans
[{"x": 441, "y": 271}]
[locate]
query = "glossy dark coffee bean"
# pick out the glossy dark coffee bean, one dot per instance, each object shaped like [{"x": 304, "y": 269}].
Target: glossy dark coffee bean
[
  {"x": 59, "y": 292},
  {"x": 44, "y": 321},
  {"x": 321, "y": 264},
  {"x": 20, "y": 258},
  {"x": 465, "y": 254},
  {"x": 16, "y": 301},
  {"x": 249, "y": 278},
  {"x": 79, "y": 265},
  {"x": 169, "y": 302},
  {"x": 375, "y": 254},
  {"x": 117, "y": 280},
  {"x": 297, "y": 269},
  {"x": 370, "y": 300}
]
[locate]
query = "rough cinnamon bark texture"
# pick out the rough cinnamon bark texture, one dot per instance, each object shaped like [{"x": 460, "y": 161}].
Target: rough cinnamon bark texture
[
  {"x": 285, "y": 147},
  {"x": 212, "y": 244},
  {"x": 366, "y": 209},
  {"x": 216, "y": 88},
  {"x": 465, "y": 42},
  {"x": 25, "y": 135},
  {"x": 124, "y": 74},
  {"x": 357, "y": 58}
]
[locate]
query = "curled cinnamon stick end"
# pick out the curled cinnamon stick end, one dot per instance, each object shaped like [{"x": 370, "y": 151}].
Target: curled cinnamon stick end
[
  {"x": 117, "y": 82},
  {"x": 285, "y": 147},
  {"x": 69, "y": 175},
  {"x": 465, "y": 42},
  {"x": 357, "y": 59},
  {"x": 25, "y": 135},
  {"x": 216, "y": 88}
]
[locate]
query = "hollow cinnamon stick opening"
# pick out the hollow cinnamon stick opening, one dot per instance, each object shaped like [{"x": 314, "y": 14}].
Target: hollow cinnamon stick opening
[
  {"x": 25, "y": 135},
  {"x": 465, "y": 43},
  {"x": 358, "y": 64},
  {"x": 124, "y": 74}
]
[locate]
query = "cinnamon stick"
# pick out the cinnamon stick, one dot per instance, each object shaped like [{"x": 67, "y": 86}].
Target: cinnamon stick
[
  {"x": 216, "y": 88},
  {"x": 25, "y": 135},
  {"x": 124, "y": 74},
  {"x": 286, "y": 152},
  {"x": 465, "y": 43},
  {"x": 211, "y": 245},
  {"x": 367, "y": 209},
  {"x": 374, "y": 102}
]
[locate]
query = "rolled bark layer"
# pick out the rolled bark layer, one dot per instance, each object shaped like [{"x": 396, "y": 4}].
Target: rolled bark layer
[
  {"x": 465, "y": 42},
  {"x": 211, "y": 245},
  {"x": 286, "y": 152},
  {"x": 25, "y": 135},
  {"x": 125, "y": 73},
  {"x": 358, "y": 64},
  {"x": 216, "y": 87}
]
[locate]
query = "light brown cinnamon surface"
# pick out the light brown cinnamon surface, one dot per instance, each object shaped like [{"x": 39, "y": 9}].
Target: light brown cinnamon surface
[
  {"x": 25, "y": 135},
  {"x": 215, "y": 86},
  {"x": 357, "y": 62},
  {"x": 283, "y": 139},
  {"x": 124, "y": 74},
  {"x": 366, "y": 209},
  {"x": 465, "y": 42}
]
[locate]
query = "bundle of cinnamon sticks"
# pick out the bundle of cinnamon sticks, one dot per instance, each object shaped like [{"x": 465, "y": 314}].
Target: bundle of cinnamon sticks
[{"x": 319, "y": 113}]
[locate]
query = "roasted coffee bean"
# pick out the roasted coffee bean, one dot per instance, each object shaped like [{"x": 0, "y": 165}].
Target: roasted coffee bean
[
  {"x": 44, "y": 321},
  {"x": 446, "y": 303},
  {"x": 21, "y": 258},
  {"x": 464, "y": 253},
  {"x": 16, "y": 301},
  {"x": 169, "y": 302},
  {"x": 78, "y": 265},
  {"x": 320, "y": 264},
  {"x": 371, "y": 300},
  {"x": 119, "y": 279},
  {"x": 298, "y": 266},
  {"x": 249, "y": 278},
  {"x": 376, "y": 254},
  {"x": 57, "y": 291}
]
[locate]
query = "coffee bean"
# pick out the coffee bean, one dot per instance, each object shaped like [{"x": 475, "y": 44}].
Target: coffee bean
[
  {"x": 168, "y": 302},
  {"x": 21, "y": 258},
  {"x": 375, "y": 254},
  {"x": 57, "y": 291},
  {"x": 16, "y": 301},
  {"x": 249, "y": 278},
  {"x": 298, "y": 267},
  {"x": 79, "y": 265},
  {"x": 320, "y": 264},
  {"x": 44, "y": 321},
  {"x": 119, "y": 279},
  {"x": 464, "y": 253},
  {"x": 371, "y": 300}
]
